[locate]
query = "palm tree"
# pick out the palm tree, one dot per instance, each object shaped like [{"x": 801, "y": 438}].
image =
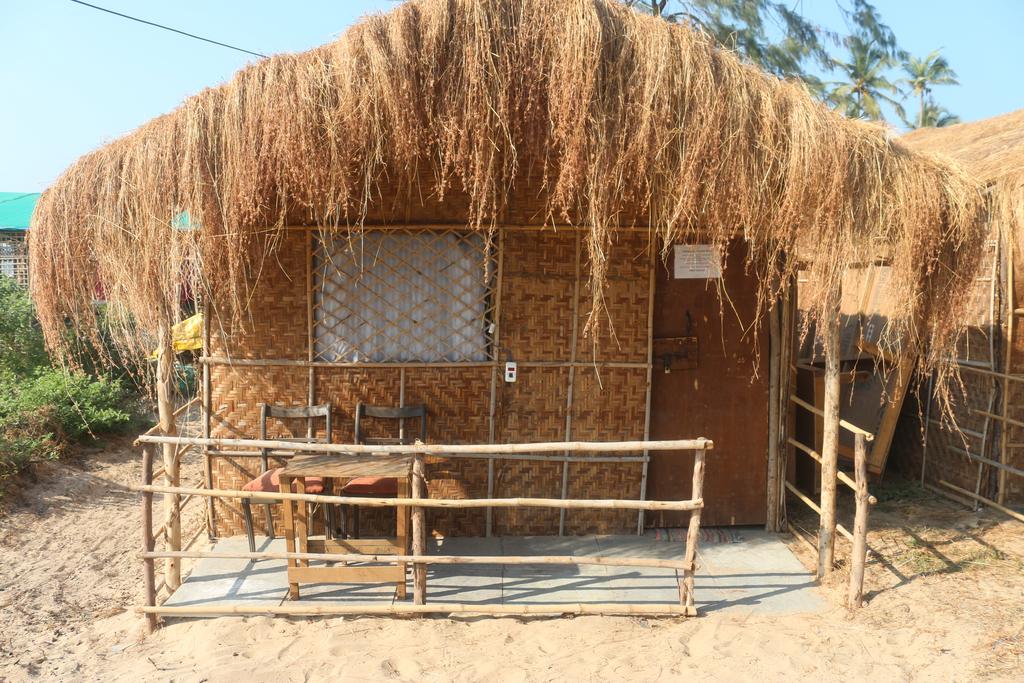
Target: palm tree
[
  {"x": 932, "y": 116},
  {"x": 865, "y": 87},
  {"x": 924, "y": 73}
]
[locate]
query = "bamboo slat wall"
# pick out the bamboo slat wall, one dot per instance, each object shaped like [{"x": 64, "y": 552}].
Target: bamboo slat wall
[
  {"x": 565, "y": 389},
  {"x": 14, "y": 257}
]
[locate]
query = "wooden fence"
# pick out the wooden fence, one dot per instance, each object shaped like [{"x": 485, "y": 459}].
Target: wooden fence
[
  {"x": 858, "y": 484},
  {"x": 419, "y": 559}
]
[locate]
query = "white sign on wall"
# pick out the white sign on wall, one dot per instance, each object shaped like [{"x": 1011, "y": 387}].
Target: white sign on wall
[{"x": 696, "y": 261}]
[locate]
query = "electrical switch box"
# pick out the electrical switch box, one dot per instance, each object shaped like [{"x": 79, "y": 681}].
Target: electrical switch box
[{"x": 511, "y": 369}]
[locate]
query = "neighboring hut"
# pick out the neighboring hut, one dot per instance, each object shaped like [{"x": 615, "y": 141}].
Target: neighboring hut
[
  {"x": 601, "y": 197},
  {"x": 986, "y": 457},
  {"x": 15, "y": 214}
]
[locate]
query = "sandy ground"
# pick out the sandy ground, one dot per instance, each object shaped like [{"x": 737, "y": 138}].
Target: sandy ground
[{"x": 946, "y": 604}]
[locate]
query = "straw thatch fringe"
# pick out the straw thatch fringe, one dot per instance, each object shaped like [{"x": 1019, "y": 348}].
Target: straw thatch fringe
[{"x": 618, "y": 109}]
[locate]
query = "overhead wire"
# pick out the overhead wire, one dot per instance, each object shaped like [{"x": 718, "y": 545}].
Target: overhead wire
[{"x": 168, "y": 28}]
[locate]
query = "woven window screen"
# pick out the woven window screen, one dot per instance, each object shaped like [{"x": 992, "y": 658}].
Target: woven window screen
[{"x": 404, "y": 296}]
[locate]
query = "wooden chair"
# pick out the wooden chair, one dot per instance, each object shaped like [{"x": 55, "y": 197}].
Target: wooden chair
[
  {"x": 268, "y": 480},
  {"x": 382, "y": 487}
]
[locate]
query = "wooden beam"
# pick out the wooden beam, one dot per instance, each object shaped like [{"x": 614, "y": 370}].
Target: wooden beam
[
  {"x": 692, "y": 533},
  {"x": 830, "y": 439},
  {"x": 774, "y": 423},
  {"x": 573, "y": 560},
  {"x": 1008, "y": 369},
  {"x": 553, "y": 503},
  {"x": 984, "y": 501},
  {"x": 285, "y": 362},
  {"x": 846, "y": 533},
  {"x": 419, "y": 530},
  {"x": 347, "y": 574},
  {"x": 842, "y": 476},
  {"x": 444, "y": 449},
  {"x": 525, "y": 457},
  {"x": 149, "y": 571},
  {"x": 311, "y": 610},
  {"x": 165, "y": 409},
  {"x": 848, "y": 426},
  {"x": 860, "y": 525}
]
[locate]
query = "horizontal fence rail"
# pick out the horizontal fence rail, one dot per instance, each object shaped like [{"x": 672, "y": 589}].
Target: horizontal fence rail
[
  {"x": 848, "y": 426},
  {"x": 419, "y": 559},
  {"x": 443, "y": 449},
  {"x": 556, "y": 503},
  {"x": 430, "y": 559},
  {"x": 313, "y": 610}
]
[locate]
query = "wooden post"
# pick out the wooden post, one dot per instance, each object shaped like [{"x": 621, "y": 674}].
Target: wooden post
[
  {"x": 693, "y": 532},
  {"x": 786, "y": 379},
  {"x": 149, "y": 572},
  {"x": 775, "y": 405},
  {"x": 574, "y": 340},
  {"x": 860, "y": 523},
  {"x": 419, "y": 532},
  {"x": 207, "y": 403},
  {"x": 1004, "y": 428},
  {"x": 165, "y": 408},
  {"x": 830, "y": 438}
]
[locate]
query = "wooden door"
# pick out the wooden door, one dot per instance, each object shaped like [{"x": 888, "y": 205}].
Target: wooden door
[{"x": 714, "y": 395}]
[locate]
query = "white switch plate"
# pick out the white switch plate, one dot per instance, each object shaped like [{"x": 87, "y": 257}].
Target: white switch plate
[{"x": 510, "y": 371}]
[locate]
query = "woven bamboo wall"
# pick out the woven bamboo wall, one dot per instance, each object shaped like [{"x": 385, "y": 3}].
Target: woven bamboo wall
[{"x": 543, "y": 306}]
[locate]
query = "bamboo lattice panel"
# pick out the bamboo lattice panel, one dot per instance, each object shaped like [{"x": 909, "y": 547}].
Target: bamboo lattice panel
[
  {"x": 538, "y": 280},
  {"x": 458, "y": 402},
  {"x": 276, "y": 328},
  {"x": 237, "y": 391},
  {"x": 946, "y": 459},
  {"x": 596, "y": 417},
  {"x": 626, "y": 296},
  {"x": 532, "y": 409},
  {"x": 404, "y": 296},
  {"x": 343, "y": 388}
]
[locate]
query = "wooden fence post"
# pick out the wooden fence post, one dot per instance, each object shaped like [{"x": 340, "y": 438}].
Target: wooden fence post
[
  {"x": 830, "y": 439},
  {"x": 149, "y": 571},
  {"x": 165, "y": 407},
  {"x": 860, "y": 523},
  {"x": 419, "y": 532},
  {"x": 775, "y": 406},
  {"x": 692, "y": 533}
]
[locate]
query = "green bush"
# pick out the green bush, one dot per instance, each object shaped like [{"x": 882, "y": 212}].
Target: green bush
[
  {"x": 21, "y": 340},
  {"x": 43, "y": 409},
  {"x": 41, "y": 414}
]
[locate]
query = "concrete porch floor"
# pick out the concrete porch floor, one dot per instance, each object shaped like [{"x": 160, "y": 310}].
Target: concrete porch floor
[{"x": 740, "y": 570}]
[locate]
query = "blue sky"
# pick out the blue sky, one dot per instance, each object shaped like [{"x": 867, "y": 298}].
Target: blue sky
[{"x": 75, "y": 78}]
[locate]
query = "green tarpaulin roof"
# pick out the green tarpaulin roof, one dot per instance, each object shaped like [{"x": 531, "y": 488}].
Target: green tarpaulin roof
[{"x": 16, "y": 209}]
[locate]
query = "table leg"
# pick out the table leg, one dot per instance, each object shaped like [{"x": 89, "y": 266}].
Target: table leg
[
  {"x": 289, "y": 531},
  {"x": 402, "y": 534}
]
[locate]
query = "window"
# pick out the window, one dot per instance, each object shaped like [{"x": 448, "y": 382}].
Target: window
[{"x": 402, "y": 296}]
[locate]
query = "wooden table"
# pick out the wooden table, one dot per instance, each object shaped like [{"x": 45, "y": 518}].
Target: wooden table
[{"x": 337, "y": 470}]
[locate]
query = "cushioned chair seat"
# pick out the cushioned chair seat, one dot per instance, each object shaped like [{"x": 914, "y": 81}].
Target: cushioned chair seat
[
  {"x": 372, "y": 486},
  {"x": 270, "y": 482}
]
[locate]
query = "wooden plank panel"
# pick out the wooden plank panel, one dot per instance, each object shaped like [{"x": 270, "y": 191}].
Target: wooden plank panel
[{"x": 719, "y": 399}]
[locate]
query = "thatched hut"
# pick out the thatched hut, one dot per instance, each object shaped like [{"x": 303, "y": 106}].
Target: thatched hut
[
  {"x": 984, "y": 457},
  {"x": 601, "y": 197}
]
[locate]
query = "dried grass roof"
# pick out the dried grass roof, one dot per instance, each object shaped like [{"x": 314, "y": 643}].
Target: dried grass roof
[
  {"x": 991, "y": 149},
  {"x": 618, "y": 108}
]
